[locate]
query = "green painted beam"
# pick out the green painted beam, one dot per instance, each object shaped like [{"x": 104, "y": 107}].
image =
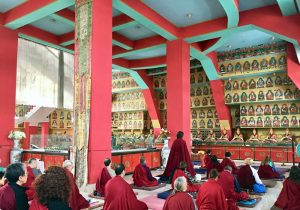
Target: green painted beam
[
  {"x": 119, "y": 5},
  {"x": 40, "y": 13},
  {"x": 120, "y": 44},
  {"x": 132, "y": 52},
  {"x": 150, "y": 67},
  {"x": 231, "y": 11},
  {"x": 67, "y": 43},
  {"x": 62, "y": 19},
  {"x": 45, "y": 43},
  {"x": 126, "y": 25},
  {"x": 287, "y": 7},
  {"x": 137, "y": 78}
]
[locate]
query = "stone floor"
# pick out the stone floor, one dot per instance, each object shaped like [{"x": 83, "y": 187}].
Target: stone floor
[{"x": 154, "y": 203}]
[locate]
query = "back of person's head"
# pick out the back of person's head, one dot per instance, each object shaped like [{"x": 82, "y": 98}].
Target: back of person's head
[
  {"x": 107, "y": 161},
  {"x": 31, "y": 160},
  {"x": 266, "y": 160},
  {"x": 142, "y": 160},
  {"x": 180, "y": 135},
  {"x": 227, "y": 154},
  {"x": 214, "y": 159},
  {"x": 295, "y": 174},
  {"x": 213, "y": 174},
  {"x": 182, "y": 165},
  {"x": 119, "y": 169},
  {"x": 2, "y": 174},
  {"x": 14, "y": 171},
  {"x": 2, "y": 178},
  {"x": 180, "y": 184},
  {"x": 208, "y": 151},
  {"x": 53, "y": 185},
  {"x": 68, "y": 163},
  {"x": 248, "y": 161},
  {"x": 228, "y": 168}
]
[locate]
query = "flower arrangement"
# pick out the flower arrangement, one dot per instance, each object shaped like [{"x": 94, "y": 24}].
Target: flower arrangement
[{"x": 16, "y": 135}]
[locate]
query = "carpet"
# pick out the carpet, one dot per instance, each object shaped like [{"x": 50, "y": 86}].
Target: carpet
[
  {"x": 148, "y": 188},
  {"x": 153, "y": 202}
]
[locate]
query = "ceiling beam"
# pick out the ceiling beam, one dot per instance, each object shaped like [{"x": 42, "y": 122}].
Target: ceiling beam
[
  {"x": 66, "y": 39},
  {"x": 140, "y": 12},
  {"x": 148, "y": 63},
  {"x": 32, "y": 11},
  {"x": 122, "y": 41},
  {"x": 122, "y": 21},
  {"x": 287, "y": 7},
  {"x": 66, "y": 16}
]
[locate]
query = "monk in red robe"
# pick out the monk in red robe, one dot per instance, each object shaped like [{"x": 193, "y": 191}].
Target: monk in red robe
[
  {"x": 192, "y": 186},
  {"x": 211, "y": 194},
  {"x": 12, "y": 194},
  {"x": 179, "y": 199},
  {"x": 228, "y": 162},
  {"x": 105, "y": 175},
  {"x": 32, "y": 165},
  {"x": 289, "y": 196},
  {"x": 142, "y": 176},
  {"x": 213, "y": 164},
  {"x": 119, "y": 195},
  {"x": 206, "y": 161},
  {"x": 266, "y": 171},
  {"x": 178, "y": 153},
  {"x": 77, "y": 201},
  {"x": 226, "y": 180}
]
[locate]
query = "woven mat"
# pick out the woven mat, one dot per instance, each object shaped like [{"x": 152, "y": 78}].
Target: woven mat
[{"x": 148, "y": 188}]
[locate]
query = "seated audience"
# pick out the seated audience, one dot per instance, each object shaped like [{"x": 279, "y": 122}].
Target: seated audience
[
  {"x": 289, "y": 195},
  {"x": 105, "y": 175},
  {"x": 206, "y": 159},
  {"x": 142, "y": 176},
  {"x": 266, "y": 171},
  {"x": 238, "y": 136},
  {"x": 52, "y": 190},
  {"x": 227, "y": 161},
  {"x": 77, "y": 201},
  {"x": 2, "y": 178},
  {"x": 224, "y": 136},
  {"x": 12, "y": 194},
  {"x": 192, "y": 186},
  {"x": 211, "y": 194},
  {"x": 179, "y": 199},
  {"x": 226, "y": 180},
  {"x": 33, "y": 171},
  {"x": 214, "y": 164},
  {"x": 119, "y": 194},
  {"x": 247, "y": 175}
]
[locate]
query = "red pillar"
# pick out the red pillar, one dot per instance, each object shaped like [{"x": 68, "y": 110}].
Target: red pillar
[
  {"x": 44, "y": 134},
  {"x": 26, "y": 142},
  {"x": 151, "y": 101},
  {"x": 293, "y": 67},
  {"x": 8, "y": 69},
  {"x": 101, "y": 88},
  {"x": 178, "y": 89}
]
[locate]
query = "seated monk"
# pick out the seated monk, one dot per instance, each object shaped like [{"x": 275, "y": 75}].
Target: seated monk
[
  {"x": 289, "y": 195},
  {"x": 105, "y": 175},
  {"x": 227, "y": 161},
  {"x": 179, "y": 199},
  {"x": 254, "y": 136},
  {"x": 142, "y": 176},
  {"x": 224, "y": 136},
  {"x": 247, "y": 175},
  {"x": 214, "y": 164},
  {"x": 206, "y": 159},
  {"x": 211, "y": 194},
  {"x": 211, "y": 136},
  {"x": 266, "y": 170},
  {"x": 192, "y": 186},
  {"x": 77, "y": 201},
  {"x": 238, "y": 136},
  {"x": 271, "y": 137},
  {"x": 33, "y": 171},
  {"x": 226, "y": 180},
  {"x": 119, "y": 194}
]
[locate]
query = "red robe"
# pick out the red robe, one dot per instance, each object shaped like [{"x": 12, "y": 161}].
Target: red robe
[
  {"x": 29, "y": 184},
  {"x": 266, "y": 172},
  {"x": 245, "y": 177},
  {"x": 102, "y": 180},
  {"x": 190, "y": 188},
  {"x": 7, "y": 198},
  {"x": 226, "y": 180},
  {"x": 141, "y": 179},
  {"x": 229, "y": 162},
  {"x": 206, "y": 161},
  {"x": 178, "y": 153},
  {"x": 77, "y": 201},
  {"x": 211, "y": 196},
  {"x": 211, "y": 165},
  {"x": 35, "y": 205},
  {"x": 120, "y": 196},
  {"x": 289, "y": 197},
  {"x": 179, "y": 201}
]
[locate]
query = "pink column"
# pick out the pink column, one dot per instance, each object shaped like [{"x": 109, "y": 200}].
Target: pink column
[
  {"x": 293, "y": 67},
  {"x": 8, "y": 69},
  {"x": 44, "y": 134},
  {"x": 178, "y": 89}
]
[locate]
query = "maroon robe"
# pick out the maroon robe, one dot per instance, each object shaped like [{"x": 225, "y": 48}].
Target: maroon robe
[
  {"x": 120, "y": 196},
  {"x": 206, "y": 161},
  {"x": 178, "y": 153},
  {"x": 102, "y": 180},
  {"x": 211, "y": 196},
  {"x": 7, "y": 198},
  {"x": 141, "y": 179},
  {"x": 245, "y": 177},
  {"x": 266, "y": 172},
  {"x": 289, "y": 197},
  {"x": 190, "y": 187},
  {"x": 179, "y": 201},
  {"x": 77, "y": 201},
  {"x": 226, "y": 180},
  {"x": 229, "y": 162},
  {"x": 211, "y": 165},
  {"x": 29, "y": 183},
  {"x": 35, "y": 205}
]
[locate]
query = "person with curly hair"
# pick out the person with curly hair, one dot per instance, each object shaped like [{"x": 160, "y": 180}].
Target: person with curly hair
[{"x": 52, "y": 190}]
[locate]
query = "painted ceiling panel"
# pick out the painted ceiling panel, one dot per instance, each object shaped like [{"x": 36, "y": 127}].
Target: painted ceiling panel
[
  {"x": 136, "y": 32},
  {"x": 246, "y": 39},
  {"x": 252, "y": 4},
  {"x": 149, "y": 54},
  {"x": 53, "y": 26},
  {"x": 6, "y": 5},
  {"x": 177, "y": 11}
]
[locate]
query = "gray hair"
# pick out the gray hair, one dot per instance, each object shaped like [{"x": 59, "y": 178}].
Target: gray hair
[
  {"x": 228, "y": 168},
  {"x": 180, "y": 184},
  {"x": 67, "y": 163}
]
